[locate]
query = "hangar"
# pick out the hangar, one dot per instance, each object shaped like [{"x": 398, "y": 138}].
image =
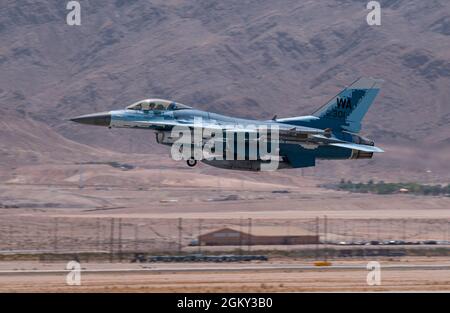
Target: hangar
[{"x": 257, "y": 236}]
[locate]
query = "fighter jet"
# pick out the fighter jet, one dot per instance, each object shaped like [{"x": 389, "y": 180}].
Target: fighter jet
[{"x": 330, "y": 133}]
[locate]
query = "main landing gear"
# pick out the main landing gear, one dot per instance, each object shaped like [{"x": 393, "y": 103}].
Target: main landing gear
[{"x": 191, "y": 162}]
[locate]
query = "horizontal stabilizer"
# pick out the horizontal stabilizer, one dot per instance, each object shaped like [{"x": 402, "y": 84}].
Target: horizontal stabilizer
[{"x": 355, "y": 146}]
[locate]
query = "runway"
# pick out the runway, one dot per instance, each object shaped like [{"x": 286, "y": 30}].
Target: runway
[
  {"x": 274, "y": 276},
  {"x": 195, "y": 267}
]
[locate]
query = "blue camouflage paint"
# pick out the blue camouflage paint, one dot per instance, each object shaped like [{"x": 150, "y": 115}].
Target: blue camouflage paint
[{"x": 337, "y": 122}]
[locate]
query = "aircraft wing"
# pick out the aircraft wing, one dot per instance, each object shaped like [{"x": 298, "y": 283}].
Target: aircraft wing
[
  {"x": 284, "y": 130},
  {"x": 210, "y": 126}
]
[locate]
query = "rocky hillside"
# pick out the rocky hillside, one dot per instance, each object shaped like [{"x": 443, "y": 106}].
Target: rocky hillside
[{"x": 252, "y": 58}]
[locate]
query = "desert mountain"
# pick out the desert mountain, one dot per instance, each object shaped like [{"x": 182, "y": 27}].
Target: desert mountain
[{"x": 249, "y": 58}]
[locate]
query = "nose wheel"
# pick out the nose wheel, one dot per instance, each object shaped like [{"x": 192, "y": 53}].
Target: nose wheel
[{"x": 191, "y": 162}]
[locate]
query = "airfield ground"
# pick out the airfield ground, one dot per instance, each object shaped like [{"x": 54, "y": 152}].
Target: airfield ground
[
  {"x": 151, "y": 201},
  {"x": 413, "y": 274}
]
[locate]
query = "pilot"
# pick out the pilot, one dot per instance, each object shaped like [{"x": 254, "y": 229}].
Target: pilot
[{"x": 172, "y": 106}]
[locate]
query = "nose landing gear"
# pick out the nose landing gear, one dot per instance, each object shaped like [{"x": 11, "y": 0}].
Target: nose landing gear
[{"x": 191, "y": 162}]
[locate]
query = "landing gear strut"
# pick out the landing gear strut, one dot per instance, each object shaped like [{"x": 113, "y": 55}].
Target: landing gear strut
[{"x": 191, "y": 162}]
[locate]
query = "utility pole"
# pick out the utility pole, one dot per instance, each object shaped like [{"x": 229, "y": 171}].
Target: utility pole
[
  {"x": 180, "y": 221},
  {"x": 444, "y": 233},
  {"x": 288, "y": 234},
  {"x": 199, "y": 234},
  {"x": 98, "y": 234},
  {"x": 249, "y": 233},
  {"x": 444, "y": 230},
  {"x": 111, "y": 242},
  {"x": 404, "y": 229},
  {"x": 353, "y": 233},
  {"x": 240, "y": 236},
  {"x": 72, "y": 240},
  {"x": 330, "y": 228},
  {"x": 55, "y": 233},
  {"x": 378, "y": 230},
  {"x": 136, "y": 237},
  {"x": 448, "y": 231},
  {"x": 120, "y": 240},
  {"x": 344, "y": 229},
  {"x": 10, "y": 243},
  {"x": 318, "y": 238},
  {"x": 325, "y": 225}
]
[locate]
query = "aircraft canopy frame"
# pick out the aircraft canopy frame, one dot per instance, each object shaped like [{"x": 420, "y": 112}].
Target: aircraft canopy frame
[{"x": 157, "y": 105}]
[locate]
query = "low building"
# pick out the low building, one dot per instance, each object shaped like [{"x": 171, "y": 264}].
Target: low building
[{"x": 258, "y": 236}]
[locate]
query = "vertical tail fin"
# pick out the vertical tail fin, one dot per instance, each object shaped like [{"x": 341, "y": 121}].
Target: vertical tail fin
[{"x": 347, "y": 109}]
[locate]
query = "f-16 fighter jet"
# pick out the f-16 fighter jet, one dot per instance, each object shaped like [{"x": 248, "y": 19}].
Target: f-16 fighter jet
[{"x": 331, "y": 132}]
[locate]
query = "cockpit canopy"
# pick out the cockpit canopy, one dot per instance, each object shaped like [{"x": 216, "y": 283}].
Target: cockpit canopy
[{"x": 157, "y": 105}]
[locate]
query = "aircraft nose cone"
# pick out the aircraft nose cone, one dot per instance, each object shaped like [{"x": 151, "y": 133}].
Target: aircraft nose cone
[{"x": 97, "y": 119}]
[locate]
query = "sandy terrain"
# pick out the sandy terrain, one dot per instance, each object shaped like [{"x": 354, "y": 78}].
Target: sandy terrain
[
  {"x": 235, "y": 280},
  {"x": 45, "y": 210}
]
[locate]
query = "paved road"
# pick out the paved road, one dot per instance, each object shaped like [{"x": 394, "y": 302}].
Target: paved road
[{"x": 158, "y": 268}]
